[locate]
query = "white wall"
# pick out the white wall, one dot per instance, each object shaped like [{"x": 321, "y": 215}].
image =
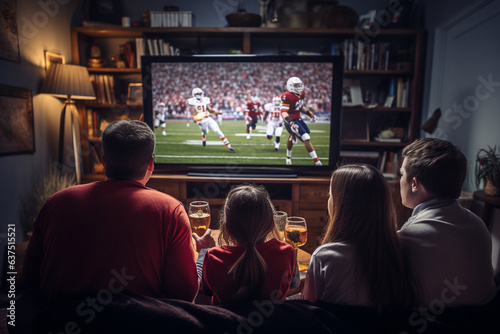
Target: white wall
[{"x": 464, "y": 81}]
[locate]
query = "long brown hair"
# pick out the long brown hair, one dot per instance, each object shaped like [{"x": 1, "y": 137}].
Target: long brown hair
[
  {"x": 246, "y": 220},
  {"x": 362, "y": 214}
]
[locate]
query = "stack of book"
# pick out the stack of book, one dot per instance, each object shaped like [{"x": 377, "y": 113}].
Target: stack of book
[
  {"x": 171, "y": 19},
  {"x": 104, "y": 88}
]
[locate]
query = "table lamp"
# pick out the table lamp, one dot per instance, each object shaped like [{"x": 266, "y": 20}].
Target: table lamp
[{"x": 71, "y": 82}]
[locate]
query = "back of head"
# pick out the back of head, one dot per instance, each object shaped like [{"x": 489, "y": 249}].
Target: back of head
[
  {"x": 438, "y": 164},
  {"x": 247, "y": 218},
  {"x": 361, "y": 204},
  {"x": 362, "y": 215},
  {"x": 248, "y": 214},
  {"x": 128, "y": 146}
]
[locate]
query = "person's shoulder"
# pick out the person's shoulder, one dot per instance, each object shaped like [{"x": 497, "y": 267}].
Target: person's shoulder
[
  {"x": 191, "y": 101},
  {"x": 161, "y": 196},
  {"x": 281, "y": 245},
  {"x": 206, "y": 100},
  {"x": 332, "y": 249},
  {"x": 222, "y": 252},
  {"x": 288, "y": 96}
]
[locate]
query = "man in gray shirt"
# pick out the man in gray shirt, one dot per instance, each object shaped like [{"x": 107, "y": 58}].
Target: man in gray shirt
[{"x": 449, "y": 246}]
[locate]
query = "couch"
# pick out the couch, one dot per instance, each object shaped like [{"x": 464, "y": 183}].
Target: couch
[{"x": 129, "y": 313}]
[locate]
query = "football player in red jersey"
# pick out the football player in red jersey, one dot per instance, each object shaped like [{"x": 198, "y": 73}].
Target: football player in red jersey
[
  {"x": 292, "y": 104},
  {"x": 254, "y": 109}
]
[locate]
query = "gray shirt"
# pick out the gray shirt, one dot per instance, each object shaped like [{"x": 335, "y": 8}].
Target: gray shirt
[
  {"x": 331, "y": 276},
  {"x": 450, "y": 254}
]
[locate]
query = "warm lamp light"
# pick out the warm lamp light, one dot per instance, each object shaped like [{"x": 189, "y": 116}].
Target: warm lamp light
[{"x": 71, "y": 82}]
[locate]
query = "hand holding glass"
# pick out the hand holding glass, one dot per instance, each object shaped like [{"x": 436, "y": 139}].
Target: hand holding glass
[
  {"x": 199, "y": 217},
  {"x": 280, "y": 221}
]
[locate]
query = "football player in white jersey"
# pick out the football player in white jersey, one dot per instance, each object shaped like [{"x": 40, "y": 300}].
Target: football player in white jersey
[
  {"x": 275, "y": 121},
  {"x": 200, "y": 109},
  {"x": 160, "y": 114}
]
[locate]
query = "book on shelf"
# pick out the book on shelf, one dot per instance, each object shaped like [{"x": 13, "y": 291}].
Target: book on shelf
[
  {"x": 104, "y": 88},
  {"x": 171, "y": 18},
  {"x": 387, "y": 140},
  {"x": 140, "y": 51},
  {"x": 363, "y": 56},
  {"x": 388, "y": 164},
  {"x": 159, "y": 47}
]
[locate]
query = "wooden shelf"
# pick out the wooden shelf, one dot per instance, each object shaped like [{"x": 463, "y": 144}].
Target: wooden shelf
[
  {"x": 375, "y": 109},
  {"x": 365, "y": 121},
  {"x": 369, "y": 143},
  {"x": 113, "y": 70}
]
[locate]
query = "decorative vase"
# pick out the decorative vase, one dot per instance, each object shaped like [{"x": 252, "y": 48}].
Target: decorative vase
[{"x": 492, "y": 187}]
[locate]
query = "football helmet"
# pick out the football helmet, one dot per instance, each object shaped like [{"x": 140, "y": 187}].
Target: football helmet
[
  {"x": 295, "y": 85},
  {"x": 276, "y": 101},
  {"x": 197, "y": 93},
  {"x": 255, "y": 99}
]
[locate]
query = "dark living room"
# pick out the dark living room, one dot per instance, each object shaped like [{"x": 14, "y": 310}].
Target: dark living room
[{"x": 410, "y": 69}]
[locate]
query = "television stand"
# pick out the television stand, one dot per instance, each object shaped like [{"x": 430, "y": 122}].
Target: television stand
[{"x": 240, "y": 175}]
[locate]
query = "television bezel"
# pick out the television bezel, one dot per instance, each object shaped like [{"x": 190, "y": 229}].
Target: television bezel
[{"x": 243, "y": 170}]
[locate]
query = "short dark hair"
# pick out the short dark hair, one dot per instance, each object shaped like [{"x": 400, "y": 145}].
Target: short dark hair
[
  {"x": 128, "y": 146},
  {"x": 438, "y": 164}
]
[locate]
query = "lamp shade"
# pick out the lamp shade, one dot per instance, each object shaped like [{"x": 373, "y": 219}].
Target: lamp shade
[{"x": 68, "y": 81}]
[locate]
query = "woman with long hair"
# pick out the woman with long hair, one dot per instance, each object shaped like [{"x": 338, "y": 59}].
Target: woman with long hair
[
  {"x": 248, "y": 266},
  {"x": 360, "y": 260}
]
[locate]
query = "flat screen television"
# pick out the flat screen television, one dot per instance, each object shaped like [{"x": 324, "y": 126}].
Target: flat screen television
[{"x": 230, "y": 82}]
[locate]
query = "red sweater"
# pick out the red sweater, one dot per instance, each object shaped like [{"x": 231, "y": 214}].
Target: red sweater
[
  {"x": 112, "y": 235},
  {"x": 279, "y": 257}
]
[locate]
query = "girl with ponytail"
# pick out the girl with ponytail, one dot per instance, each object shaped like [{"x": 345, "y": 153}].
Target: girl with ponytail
[{"x": 249, "y": 265}]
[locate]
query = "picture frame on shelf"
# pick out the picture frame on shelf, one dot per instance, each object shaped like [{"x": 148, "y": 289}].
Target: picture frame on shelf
[
  {"x": 9, "y": 38},
  {"x": 351, "y": 93},
  {"x": 17, "y": 133},
  {"x": 53, "y": 58},
  {"x": 134, "y": 95}
]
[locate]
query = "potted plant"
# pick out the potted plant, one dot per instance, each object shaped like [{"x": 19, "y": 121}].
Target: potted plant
[
  {"x": 488, "y": 170},
  {"x": 42, "y": 188}
]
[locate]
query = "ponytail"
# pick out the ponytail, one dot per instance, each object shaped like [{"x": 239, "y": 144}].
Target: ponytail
[
  {"x": 249, "y": 273},
  {"x": 247, "y": 218}
]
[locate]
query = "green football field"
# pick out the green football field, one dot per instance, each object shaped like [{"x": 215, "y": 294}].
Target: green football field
[{"x": 183, "y": 145}]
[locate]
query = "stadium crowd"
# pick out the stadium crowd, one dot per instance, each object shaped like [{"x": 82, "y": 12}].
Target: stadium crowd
[{"x": 230, "y": 85}]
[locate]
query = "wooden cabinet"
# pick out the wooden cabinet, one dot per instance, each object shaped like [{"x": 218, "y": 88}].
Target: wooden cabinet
[
  {"x": 303, "y": 196},
  {"x": 384, "y": 62}
]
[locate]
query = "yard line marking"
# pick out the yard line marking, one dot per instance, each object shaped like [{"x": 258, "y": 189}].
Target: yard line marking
[
  {"x": 232, "y": 156},
  {"x": 218, "y": 142}
]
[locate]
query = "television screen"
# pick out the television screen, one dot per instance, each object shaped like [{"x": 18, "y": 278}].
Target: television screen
[{"x": 224, "y": 114}]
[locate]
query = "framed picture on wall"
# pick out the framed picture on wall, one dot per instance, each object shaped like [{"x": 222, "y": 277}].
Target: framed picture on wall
[
  {"x": 53, "y": 58},
  {"x": 17, "y": 131},
  {"x": 9, "y": 40}
]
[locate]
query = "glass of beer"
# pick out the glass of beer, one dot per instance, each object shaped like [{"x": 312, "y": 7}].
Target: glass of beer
[
  {"x": 296, "y": 231},
  {"x": 199, "y": 217}
]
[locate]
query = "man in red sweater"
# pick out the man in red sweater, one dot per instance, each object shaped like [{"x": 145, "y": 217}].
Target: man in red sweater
[{"x": 95, "y": 240}]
